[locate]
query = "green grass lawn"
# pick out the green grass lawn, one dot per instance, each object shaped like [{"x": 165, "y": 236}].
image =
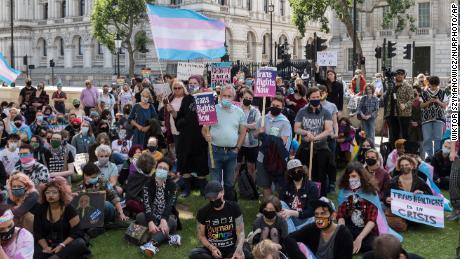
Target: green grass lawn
[{"x": 423, "y": 240}]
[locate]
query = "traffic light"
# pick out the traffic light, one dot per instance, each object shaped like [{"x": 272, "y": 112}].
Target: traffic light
[
  {"x": 391, "y": 49},
  {"x": 378, "y": 52},
  {"x": 309, "y": 52},
  {"x": 319, "y": 44},
  {"x": 24, "y": 60},
  {"x": 52, "y": 63},
  {"x": 408, "y": 51}
]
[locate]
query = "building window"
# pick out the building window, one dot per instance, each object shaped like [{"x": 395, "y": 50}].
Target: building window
[
  {"x": 266, "y": 6},
  {"x": 350, "y": 59},
  {"x": 63, "y": 7},
  {"x": 249, "y": 5},
  {"x": 61, "y": 47},
  {"x": 82, "y": 7},
  {"x": 264, "y": 47},
  {"x": 45, "y": 11},
  {"x": 223, "y": 2},
  {"x": 282, "y": 6},
  {"x": 99, "y": 49},
  {"x": 424, "y": 15},
  {"x": 176, "y": 2},
  {"x": 44, "y": 53},
  {"x": 80, "y": 49}
]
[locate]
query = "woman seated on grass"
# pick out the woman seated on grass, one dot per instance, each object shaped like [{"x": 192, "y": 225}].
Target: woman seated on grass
[
  {"x": 23, "y": 196},
  {"x": 16, "y": 242},
  {"x": 57, "y": 224},
  {"x": 160, "y": 195},
  {"x": 268, "y": 224}
]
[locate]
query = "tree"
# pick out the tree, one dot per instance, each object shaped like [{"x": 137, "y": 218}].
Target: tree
[
  {"x": 315, "y": 10},
  {"x": 112, "y": 17}
]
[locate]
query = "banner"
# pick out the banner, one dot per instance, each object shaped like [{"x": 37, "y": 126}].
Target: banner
[
  {"x": 186, "y": 70},
  {"x": 80, "y": 161},
  {"x": 420, "y": 208},
  {"x": 90, "y": 208},
  {"x": 205, "y": 108},
  {"x": 162, "y": 89},
  {"x": 265, "y": 82},
  {"x": 221, "y": 74},
  {"x": 327, "y": 59}
]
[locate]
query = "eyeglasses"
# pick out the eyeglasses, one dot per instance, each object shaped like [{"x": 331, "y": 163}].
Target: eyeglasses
[
  {"x": 164, "y": 168},
  {"x": 177, "y": 88},
  {"x": 51, "y": 193}
]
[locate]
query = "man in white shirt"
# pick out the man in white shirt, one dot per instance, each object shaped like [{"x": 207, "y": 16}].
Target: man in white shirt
[{"x": 10, "y": 155}]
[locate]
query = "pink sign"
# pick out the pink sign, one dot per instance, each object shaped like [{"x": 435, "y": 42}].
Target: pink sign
[
  {"x": 265, "y": 85},
  {"x": 205, "y": 108}
]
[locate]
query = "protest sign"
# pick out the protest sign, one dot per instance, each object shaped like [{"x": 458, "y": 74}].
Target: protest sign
[
  {"x": 90, "y": 208},
  {"x": 186, "y": 70},
  {"x": 80, "y": 161},
  {"x": 205, "y": 108},
  {"x": 265, "y": 82},
  {"x": 162, "y": 89},
  {"x": 420, "y": 208},
  {"x": 327, "y": 59},
  {"x": 221, "y": 74}
]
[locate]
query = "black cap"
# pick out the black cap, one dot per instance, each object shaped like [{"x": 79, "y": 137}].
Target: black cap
[
  {"x": 400, "y": 71},
  {"x": 212, "y": 189},
  {"x": 323, "y": 202}
]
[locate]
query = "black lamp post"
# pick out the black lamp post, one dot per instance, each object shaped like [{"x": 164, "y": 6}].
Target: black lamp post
[
  {"x": 271, "y": 9},
  {"x": 118, "y": 47},
  {"x": 12, "y": 32}
]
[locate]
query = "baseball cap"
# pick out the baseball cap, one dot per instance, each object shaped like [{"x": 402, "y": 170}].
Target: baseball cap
[
  {"x": 212, "y": 189},
  {"x": 294, "y": 163},
  {"x": 400, "y": 71},
  {"x": 323, "y": 202},
  {"x": 75, "y": 101}
]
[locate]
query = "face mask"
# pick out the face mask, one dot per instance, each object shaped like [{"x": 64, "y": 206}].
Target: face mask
[
  {"x": 247, "y": 102},
  {"x": 35, "y": 145},
  {"x": 76, "y": 106},
  {"x": 17, "y": 124},
  {"x": 103, "y": 160},
  {"x": 145, "y": 99},
  {"x": 18, "y": 192},
  {"x": 355, "y": 183},
  {"x": 93, "y": 181},
  {"x": 26, "y": 159},
  {"x": 40, "y": 118},
  {"x": 406, "y": 170},
  {"x": 12, "y": 146},
  {"x": 152, "y": 148},
  {"x": 371, "y": 161},
  {"x": 7, "y": 236},
  {"x": 323, "y": 223},
  {"x": 275, "y": 111},
  {"x": 365, "y": 149},
  {"x": 61, "y": 120},
  {"x": 269, "y": 214},
  {"x": 297, "y": 176},
  {"x": 161, "y": 174},
  {"x": 84, "y": 130},
  {"x": 226, "y": 103},
  {"x": 217, "y": 203},
  {"x": 445, "y": 151},
  {"x": 315, "y": 103},
  {"x": 55, "y": 143},
  {"x": 122, "y": 135}
]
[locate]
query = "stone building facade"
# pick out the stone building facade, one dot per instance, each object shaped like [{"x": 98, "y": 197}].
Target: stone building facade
[{"x": 61, "y": 30}]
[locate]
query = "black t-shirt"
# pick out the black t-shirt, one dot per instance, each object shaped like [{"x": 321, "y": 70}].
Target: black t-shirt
[
  {"x": 58, "y": 231},
  {"x": 220, "y": 227},
  {"x": 27, "y": 94}
]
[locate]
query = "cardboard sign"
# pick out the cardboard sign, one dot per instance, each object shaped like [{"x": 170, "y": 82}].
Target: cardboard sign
[
  {"x": 221, "y": 74},
  {"x": 327, "y": 59},
  {"x": 186, "y": 70},
  {"x": 162, "y": 89},
  {"x": 420, "y": 208},
  {"x": 146, "y": 73},
  {"x": 90, "y": 208},
  {"x": 206, "y": 108},
  {"x": 80, "y": 161},
  {"x": 265, "y": 82}
]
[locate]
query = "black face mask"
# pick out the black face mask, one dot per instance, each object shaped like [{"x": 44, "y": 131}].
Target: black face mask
[
  {"x": 76, "y": 106},
  {"x": 275, "y": 111},
  {"x": 371, "y": 161},
  {"x": 152, "y": 148},
  {"x": 269, "y": 214},
  {"x": 7, "y": 236},
  {"x": 18, "y": 125},
  {"x": 296, "y": 176},
  {"x": 247, "y": 102},
  {"x": 216, "y": 203}
]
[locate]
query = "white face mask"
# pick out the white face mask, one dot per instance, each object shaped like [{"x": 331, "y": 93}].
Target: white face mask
[
  {"x": 355, "y": 183},
  {"x": 445, "y": 150}
]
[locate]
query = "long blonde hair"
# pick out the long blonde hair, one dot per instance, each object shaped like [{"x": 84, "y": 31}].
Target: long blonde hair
[{"x": 23, "y": 178}]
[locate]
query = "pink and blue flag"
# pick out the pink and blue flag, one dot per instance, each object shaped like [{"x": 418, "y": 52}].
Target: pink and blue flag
[
  {"x": 7, "y": 73},
  {"x": 182, "y": 34}
]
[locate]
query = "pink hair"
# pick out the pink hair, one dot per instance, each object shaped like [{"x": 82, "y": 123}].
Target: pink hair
[
  {"x": 23, "y": 178},
  {"x": 59, "y": 182}
]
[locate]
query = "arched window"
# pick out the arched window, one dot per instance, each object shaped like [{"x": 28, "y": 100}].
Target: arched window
[
  {"x": 99, "y": 49},
  {"x": 42, "y": 44},
  {"x": 80, "y": 47},
  {"x": 61, "y": 47}
]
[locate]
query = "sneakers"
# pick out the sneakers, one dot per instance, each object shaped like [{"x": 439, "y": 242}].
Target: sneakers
[
  {"x": 149, "y": 249},
  {"x": 453, "y": 216},
  {"x": 174, "y": 240}
]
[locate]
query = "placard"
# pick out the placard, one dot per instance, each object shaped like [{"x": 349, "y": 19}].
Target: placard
[
  {"x": 90, "y": 208},
  {"x": 186, "y": 70},
  {"x": 206, "y": 108},
  {"x": 265, "y": 85},
  {"x": 420, "y": 208},
  {"x": 221, "y": 74},
  {"x": 162, "y": 89},
  {"x": 80, "y": 161},
  {"x": 327, "y": 59}
]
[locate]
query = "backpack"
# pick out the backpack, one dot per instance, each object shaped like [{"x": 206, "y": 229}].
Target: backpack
[
  {"x": 274, "y": 164},
  {"x": 246, "y": 185}
]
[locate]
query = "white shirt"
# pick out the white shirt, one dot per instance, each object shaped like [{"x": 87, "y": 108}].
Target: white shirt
[{"x": 9, "y": 159}]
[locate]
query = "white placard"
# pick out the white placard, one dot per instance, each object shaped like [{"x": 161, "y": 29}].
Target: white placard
[
  {"x": 162, "y": 89},
  {"x": 185, "y": 70},
  {"x": 79, "y": 161},
  {"x": 327, "y": 59}
]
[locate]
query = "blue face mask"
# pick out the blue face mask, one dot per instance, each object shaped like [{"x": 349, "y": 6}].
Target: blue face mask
[
  {"x": 161, "y": 174},
  {"x": 226, "y": 103},
  {"x": 93, "y": 180},
  {"x": 18, "y": 192},
  {"x": 40, "y": 118},
  {"x": 315, "y": 103}
]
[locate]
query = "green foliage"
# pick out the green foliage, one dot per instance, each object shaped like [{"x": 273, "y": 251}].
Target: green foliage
[
  {"x": 140, "y": 42},
  {"x": 314, "y": 10}
]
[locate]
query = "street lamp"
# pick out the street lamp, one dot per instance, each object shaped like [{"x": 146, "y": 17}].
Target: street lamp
[
  {"x": 118, "y": 47},
  {"x": 12, "y": 32},
  {"x": 271, "y": 9}
]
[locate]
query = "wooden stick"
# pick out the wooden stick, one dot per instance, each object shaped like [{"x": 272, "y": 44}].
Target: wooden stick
[
  {"x": 264, "y": 100},
  {"x": 211, "y": 155},
  {"x": 311, "y": 160}
]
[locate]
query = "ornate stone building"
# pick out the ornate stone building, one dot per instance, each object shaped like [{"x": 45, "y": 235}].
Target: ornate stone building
[
  {"x": 432, "y": 39},
  {"x": 61, "y": 30}
]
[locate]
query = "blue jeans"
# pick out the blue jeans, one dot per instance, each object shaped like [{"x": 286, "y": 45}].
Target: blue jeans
[
  {"x": 432, "y": 131},
  {"x": 295, "y": 224},
  {"x": 118, "y": 158},
  {"x": 369, "y": 127},
  {"x": 224, "y": 168},
  {"x": 110, "y": 212}
]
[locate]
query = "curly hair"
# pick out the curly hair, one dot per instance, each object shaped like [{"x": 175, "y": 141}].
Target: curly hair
[
  {"x": 65, "y": 192},
  {"x": 368, "y": 183},
  {"x": 23, "y": 178},
  {"x": 410, "y": 159},
  {"x": 265, "y": 248}
]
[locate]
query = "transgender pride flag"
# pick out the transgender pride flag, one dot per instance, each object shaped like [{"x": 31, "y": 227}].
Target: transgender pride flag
[
  {"x": 7, "y": 73},
  {"x": 181, "y": 34}
]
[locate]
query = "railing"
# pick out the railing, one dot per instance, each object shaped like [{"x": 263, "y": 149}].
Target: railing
[
  {"x": 78, "y": 19},
  {"x": 423, "y": 31},
  {"x": 43, "y": 22},
  {"x": 60, "y": 20},
  {"x": 224, "y": 9},
  {"x": 386, "y": 33}
]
